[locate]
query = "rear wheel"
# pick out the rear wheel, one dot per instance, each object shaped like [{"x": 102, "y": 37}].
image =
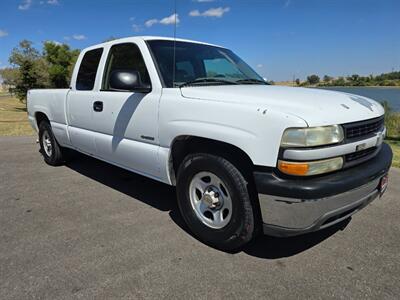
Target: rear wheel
[
  {"x": 214, "y": 201},
  {"x": 50, "y": 149}
]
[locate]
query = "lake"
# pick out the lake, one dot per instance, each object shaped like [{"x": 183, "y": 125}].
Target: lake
[{"x": 391, "y": 95}]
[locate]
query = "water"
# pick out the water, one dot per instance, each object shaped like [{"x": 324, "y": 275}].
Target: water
[{"x": 391, "y": 95}]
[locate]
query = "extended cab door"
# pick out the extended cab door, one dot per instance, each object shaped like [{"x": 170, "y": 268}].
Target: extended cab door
[
  {"x": 80, "y": 103},
  {"x": 127, "y": 125}
]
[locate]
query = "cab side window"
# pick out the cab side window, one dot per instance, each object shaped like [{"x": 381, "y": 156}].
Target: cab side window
[
  {"x": 125, "y": 56},
  {"x": 88, "y": 69}
]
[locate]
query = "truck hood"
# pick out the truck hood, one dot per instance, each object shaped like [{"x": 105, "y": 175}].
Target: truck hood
[{"x": 315, "y": 106}]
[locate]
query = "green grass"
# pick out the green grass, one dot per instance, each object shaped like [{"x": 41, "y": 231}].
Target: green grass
[
  {"x": 392, "y": 123},
  {"x": 395, "y": 145},
  {"x": 13, "y": 117}
]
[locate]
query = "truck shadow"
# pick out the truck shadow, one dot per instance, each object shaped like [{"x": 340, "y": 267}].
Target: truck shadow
[
  {"x": 163, "y": 198},
  {"x": 273, "y": 247},
  {"x": 148, "y": 191}
]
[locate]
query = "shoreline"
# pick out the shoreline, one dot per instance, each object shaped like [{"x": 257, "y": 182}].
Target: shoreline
[
  {"x": 336, "y": 86},
  {"x": 357, "y": 86}
]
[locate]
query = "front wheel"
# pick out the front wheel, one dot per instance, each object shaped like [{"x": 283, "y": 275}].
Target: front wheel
[
  {"x": 50, "y": 149},
  {"x": 214, "y": 201}
]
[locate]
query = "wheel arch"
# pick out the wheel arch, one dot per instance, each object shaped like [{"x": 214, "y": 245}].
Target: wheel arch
[
  {"x": 183, "y": 145},
  {"x": 41, "y": 116}
]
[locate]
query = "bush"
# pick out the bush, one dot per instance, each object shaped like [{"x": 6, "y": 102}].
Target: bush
[
  {"x": 392, "y": 121},
  {"x": 313, "y": 79}
]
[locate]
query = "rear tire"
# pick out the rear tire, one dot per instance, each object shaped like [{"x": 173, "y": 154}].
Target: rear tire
[
  {"x": 49, "y": 147},
  {"x": 214, "y": 201}
]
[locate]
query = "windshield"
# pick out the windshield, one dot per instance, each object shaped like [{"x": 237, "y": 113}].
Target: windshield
[{"x": 197, "y": 63}]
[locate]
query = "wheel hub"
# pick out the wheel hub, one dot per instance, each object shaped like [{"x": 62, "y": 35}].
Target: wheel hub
[
  {"x": 46, "y": 141},
  {"x": 211, "y": 197},
  {"x": 210, "y": 200}
]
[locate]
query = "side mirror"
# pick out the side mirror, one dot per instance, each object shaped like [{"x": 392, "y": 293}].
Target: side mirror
[{"x": 128, "y": 80}]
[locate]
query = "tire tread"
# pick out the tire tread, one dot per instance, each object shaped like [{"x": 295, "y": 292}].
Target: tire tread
[{"x": 244, "y": 233}]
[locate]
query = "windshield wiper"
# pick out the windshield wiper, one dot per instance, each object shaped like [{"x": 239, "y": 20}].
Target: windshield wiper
[
  {"x": 206, "y": 80},
  {"x": 251, "y": 81}
]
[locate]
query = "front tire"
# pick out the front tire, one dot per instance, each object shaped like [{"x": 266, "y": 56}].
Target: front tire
[
  {"x": 49, "y": 148},
  {"x": 214, "y": 201}
]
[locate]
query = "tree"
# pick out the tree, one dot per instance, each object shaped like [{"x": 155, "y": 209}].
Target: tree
[
  {"x": 313, "y": 79},
  {"x": 9, "y": 77},
  {"x": 353, "y": 78},
  {"x": 340, "y": 81},
  {"x": 298, "y": 81},
  {"x": 60, "y": 59},
  {"x": 327, "y": 78},
  {"x": 32, "y": 69},
  {"x": 24, "y": 52}
]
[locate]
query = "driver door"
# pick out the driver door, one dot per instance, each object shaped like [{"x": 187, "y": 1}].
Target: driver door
[{"x": 127, "y": 123}]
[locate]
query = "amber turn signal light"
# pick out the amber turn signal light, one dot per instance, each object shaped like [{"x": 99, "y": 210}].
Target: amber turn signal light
[
  {"x": 311, "y": 167},
  {"x": 299, "y": 169}
]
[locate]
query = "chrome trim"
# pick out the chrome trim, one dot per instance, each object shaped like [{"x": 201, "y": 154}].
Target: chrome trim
[
  {"x": 333, "y": 151},
  {"x": 300, "y": 215}
]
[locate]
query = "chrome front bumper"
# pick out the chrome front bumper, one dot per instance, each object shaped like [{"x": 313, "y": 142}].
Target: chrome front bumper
[
  {"x": 291, "y": 205},
  {"x": 289, "y": 216}
]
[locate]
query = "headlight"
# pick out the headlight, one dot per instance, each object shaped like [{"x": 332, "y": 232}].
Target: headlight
[
  {"x": 312, "y": 136},
  {"x": 310, "y": 168}
]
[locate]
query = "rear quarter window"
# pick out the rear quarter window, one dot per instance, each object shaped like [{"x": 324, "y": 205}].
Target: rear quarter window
[{"x": 88, "y": 70}]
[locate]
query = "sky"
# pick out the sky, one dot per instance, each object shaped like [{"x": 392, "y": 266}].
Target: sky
[{"x": 280, "y": 39}]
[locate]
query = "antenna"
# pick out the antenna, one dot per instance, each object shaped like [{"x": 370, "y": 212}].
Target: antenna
[{"x": 174, "y": 59}]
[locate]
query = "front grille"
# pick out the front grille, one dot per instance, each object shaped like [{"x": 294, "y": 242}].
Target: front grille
[
  {"x": 359, "y": 154},
  {"x": 358, "y": 130}
]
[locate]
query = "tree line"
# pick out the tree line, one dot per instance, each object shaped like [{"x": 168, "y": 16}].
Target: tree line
[
  {"x": 52, "y": 68},
  {"x": 385, "y": 79},
  {"x": 30, "y": 68}
]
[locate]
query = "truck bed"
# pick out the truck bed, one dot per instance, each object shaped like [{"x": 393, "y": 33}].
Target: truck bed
[{"x": 51, "y": 102}]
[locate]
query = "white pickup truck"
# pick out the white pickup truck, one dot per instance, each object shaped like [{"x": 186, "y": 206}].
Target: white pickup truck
[{"x": 245, "y": 156}]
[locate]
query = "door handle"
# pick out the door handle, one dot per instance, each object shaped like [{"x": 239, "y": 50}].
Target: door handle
[{"x": 98, "y": 106}]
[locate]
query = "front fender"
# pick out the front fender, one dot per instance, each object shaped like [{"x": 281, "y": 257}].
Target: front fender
[{"x": 255, "y": 130}]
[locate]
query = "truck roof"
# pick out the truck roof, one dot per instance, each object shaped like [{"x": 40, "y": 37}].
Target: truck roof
[{"x": 145, "y": 38}]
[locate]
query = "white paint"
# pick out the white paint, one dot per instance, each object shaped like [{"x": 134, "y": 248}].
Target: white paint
[{"x": 251, "y": 117}]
